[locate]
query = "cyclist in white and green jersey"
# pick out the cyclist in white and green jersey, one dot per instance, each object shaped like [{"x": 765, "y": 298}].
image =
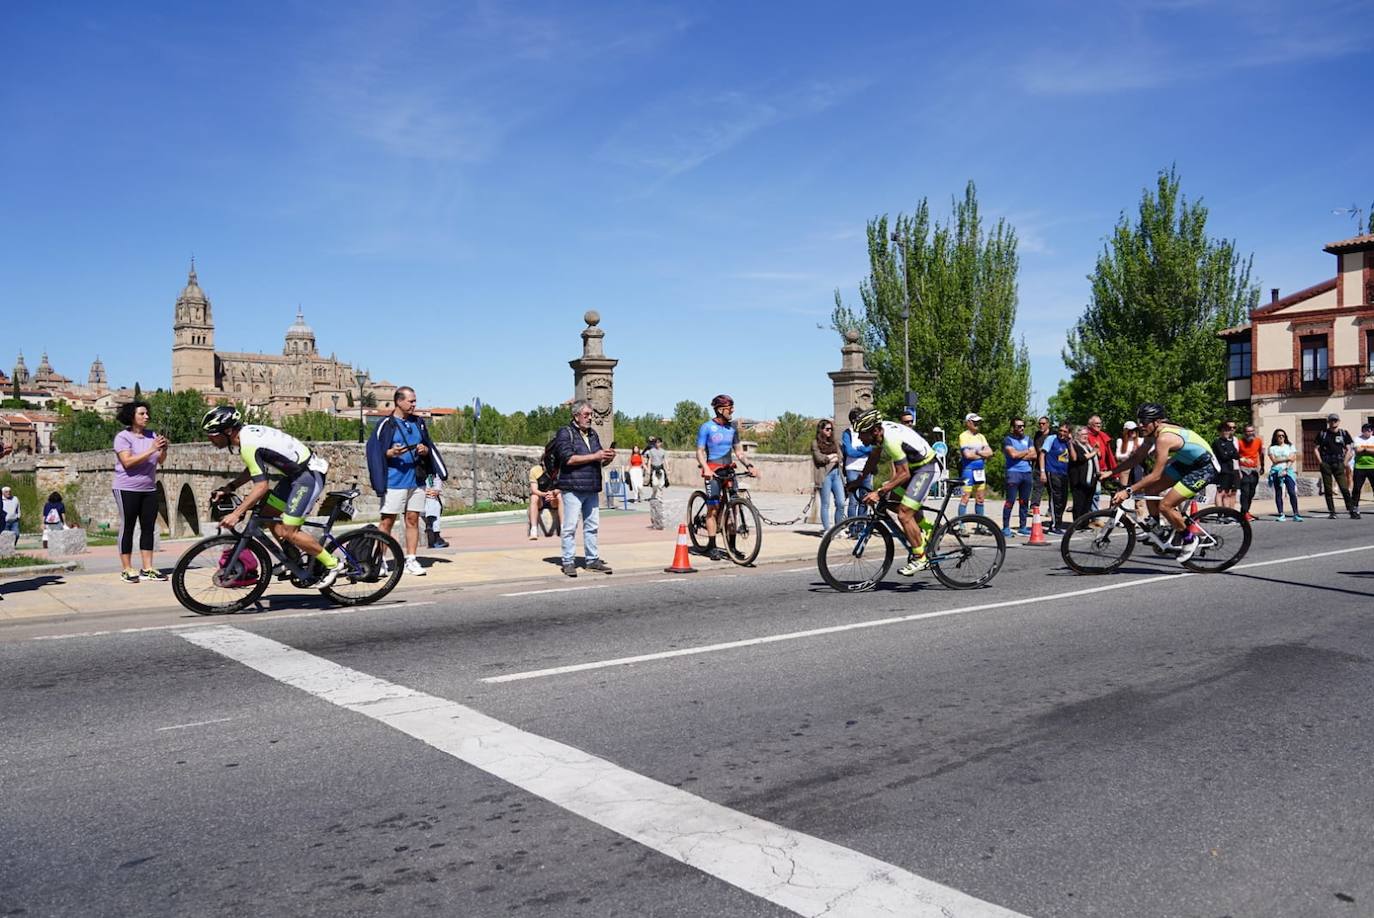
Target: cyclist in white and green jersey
[
  {"x": 283, "y": 472},
  {"x": 1183, "y": 466},
  {"x": 914, "y": 470}
]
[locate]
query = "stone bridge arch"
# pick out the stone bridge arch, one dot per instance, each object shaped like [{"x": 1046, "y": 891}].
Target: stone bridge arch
[{"x": 187, "y": 515}]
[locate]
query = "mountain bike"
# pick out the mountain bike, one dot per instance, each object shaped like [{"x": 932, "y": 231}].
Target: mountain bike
[
  {"x": 965, "y": 552},
  {"x": 739, "y": 522},
  {"x": 229, "y": 572},
  {"x": 1100, "y": 542}
]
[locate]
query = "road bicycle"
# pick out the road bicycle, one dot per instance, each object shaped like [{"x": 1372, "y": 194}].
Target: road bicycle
[
  {"x": 229, "y": 572},
  {"x": 965, "y": 552},
  {"x": 1100, "y": 542},
  {"x": 739, "y": 523}
]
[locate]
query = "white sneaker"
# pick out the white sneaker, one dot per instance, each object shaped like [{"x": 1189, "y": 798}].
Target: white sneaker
[
  {"x": 1187, "y": 550},
  {"x": 534, "y": 534},
  {"x": 327, "y": 579},
  {"x": 413, "y": 567}
]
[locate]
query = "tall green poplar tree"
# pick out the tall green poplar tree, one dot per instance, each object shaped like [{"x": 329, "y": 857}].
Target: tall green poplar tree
[
  {"x": 1161, "y": 291},
  {"x": 960, "y": 280}
]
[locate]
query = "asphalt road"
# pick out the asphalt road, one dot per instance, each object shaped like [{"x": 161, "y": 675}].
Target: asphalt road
[{"x": 1143, "y": 744}]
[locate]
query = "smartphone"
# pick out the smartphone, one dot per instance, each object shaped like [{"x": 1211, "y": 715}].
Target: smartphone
[{"x": 612, "y": 444}]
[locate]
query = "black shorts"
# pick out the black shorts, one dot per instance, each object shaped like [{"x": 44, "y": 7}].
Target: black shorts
[{"x": 1226, "y": 481}]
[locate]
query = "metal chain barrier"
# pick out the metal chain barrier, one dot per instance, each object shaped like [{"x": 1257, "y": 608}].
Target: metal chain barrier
[{"x": 795, "y": 520}]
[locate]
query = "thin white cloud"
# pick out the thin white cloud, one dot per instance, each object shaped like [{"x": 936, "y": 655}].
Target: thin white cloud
[{"x": 678, "y": 133}]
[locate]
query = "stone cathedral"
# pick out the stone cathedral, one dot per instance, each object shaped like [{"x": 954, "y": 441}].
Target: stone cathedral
[{"x": 299, "y": 379}]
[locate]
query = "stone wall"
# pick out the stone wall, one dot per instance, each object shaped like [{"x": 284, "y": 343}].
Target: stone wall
[{"x": 193, "y": 471}]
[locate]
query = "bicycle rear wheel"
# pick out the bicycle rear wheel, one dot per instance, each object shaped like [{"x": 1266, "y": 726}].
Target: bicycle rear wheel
[
  {"x": 743, "y": 531},
  {"x": 967, "y": 552},
  {"x": 209, "y": 580},
  {"x": 371, "y": 562},
  {"x": 855, "y": 555},
  {"x": 696, "y": 520},
  {"x": 1224, "y": 537},
  {"x": 1097, "y": 543}
]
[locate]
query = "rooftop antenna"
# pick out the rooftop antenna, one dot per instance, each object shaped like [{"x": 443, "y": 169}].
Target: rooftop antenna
[{"x": 1354, "y": 211}]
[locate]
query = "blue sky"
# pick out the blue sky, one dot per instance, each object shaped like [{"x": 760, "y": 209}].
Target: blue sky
[{"x": 446, "y": 188}]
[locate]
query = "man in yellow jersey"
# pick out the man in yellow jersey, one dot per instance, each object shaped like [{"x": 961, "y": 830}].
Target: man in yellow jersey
[
  {"x": 1184, "y": 465},
  {"x": 974, "y": 453}
]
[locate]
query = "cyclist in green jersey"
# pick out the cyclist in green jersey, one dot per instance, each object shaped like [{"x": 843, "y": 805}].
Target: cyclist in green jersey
[
  {"x": 1183, "y": 466},
  {"x": 914, "y": 470},
  {"x": 283, "y": 472}
]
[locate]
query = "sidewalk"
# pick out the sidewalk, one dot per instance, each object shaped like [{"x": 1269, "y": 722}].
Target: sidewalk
[{"x": 481, "y": 552}]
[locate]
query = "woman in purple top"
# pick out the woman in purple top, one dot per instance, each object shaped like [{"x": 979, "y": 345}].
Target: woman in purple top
[{"x": 137, "y": 454}]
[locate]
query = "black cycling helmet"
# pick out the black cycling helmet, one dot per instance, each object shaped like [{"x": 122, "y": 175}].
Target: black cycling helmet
[
  {"x": 1150, "y": 411},
  {"x": 221, "y": 419},
  {"x": 721, "y": 401},
  {"x": 868, "y": 420}
]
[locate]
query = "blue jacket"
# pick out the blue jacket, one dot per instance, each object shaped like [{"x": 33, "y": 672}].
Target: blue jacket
[
  {"x": 852, "y": 452},
  {"x": 381, "y": 441},
  {"x": 580, "y": 479}
]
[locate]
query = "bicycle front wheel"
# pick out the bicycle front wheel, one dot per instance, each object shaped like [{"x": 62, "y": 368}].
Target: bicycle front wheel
[
  {"x": 371, "y": 562},
  {"x": 210, "y": 580},
  {"x": 1097, "y": 542},
  {"x": 967, "y": 552},
  {"x": 743, "y": 531},
  {"x": 855, "y": 554},
  {"x": 1223, "y": 538},
  {"x": 696, "y": 520}
]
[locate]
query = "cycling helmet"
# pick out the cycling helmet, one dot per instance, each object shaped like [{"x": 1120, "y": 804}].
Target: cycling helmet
[
  {"x": 868, "y": 420},
  {"x": 721, "y": 401},
  {"x": 221, "y": 419},
  {"x": 1149, "y": 411}
]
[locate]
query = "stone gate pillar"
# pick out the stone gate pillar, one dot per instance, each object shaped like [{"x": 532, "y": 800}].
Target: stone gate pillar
[
  {"x": 853, "y": 382},
  {"x": 594, "y": 379}
]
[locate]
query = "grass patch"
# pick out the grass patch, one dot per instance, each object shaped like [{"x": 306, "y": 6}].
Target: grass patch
[
  {"x": 487, "y": 508},
  {"x": 22, "y": 561}
]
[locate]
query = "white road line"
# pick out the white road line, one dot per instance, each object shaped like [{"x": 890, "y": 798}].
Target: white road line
[
  {"x": 590, "y": 586},
  {"x": 799, "y": 872},
  {"x": 881, "y": 622},
  {"x": 314, "y": 613},
  {"x": 800, "y": 570},
  {"x": 199, "y": 723}
]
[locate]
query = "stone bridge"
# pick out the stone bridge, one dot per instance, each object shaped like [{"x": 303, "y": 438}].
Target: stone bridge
[{"x": 192, "y": 471}]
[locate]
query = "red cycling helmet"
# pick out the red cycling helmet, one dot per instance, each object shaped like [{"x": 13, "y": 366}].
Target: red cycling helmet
[{"x": 720, "y": 401}]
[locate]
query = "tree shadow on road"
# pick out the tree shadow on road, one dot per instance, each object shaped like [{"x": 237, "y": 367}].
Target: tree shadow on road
[{"x": 1310, "y": 586}]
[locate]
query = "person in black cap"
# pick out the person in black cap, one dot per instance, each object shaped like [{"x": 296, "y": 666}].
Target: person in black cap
[{"x": 1333, "y": 444}]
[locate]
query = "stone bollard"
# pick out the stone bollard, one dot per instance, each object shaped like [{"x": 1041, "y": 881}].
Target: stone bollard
[
  {"x": 7, "y": 543},
  {"x": 63, "y": 543}
]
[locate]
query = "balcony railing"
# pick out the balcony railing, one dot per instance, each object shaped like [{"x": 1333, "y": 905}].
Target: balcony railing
[{"x": 1291, "y": 382}]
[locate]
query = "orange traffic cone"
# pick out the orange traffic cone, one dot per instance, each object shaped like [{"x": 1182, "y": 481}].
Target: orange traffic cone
[
  {"x": 682, "y": 562},
  {"x": 1192, "y": 512},
  {"x": 1037, "y": 536}
]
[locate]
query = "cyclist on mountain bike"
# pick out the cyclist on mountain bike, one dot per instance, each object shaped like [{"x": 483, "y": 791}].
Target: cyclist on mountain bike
[
  {"x": 717, "y": 439},
  {"x": 914, "y": 470},
  {"x": 1183, "y": 466},
  {"x": 273, "y": 456}
]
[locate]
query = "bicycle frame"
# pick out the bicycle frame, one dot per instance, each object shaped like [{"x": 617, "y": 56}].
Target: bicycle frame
[
  {"x": 255, "y": 530},
  {"x": 882, "y": 513}
]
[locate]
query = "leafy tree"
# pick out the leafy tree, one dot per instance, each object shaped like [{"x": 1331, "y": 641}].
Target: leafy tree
[
  {"x": 138, "y": 391},
  {"x": 1161, "y": 291},
  {"x": 177, "y": 415},
  {"x": 688, "y": 417},
  {"x": 84, "y": 431},
  {"x": 320, "y": 426},
  {"x": 1370, "y": 228},
  {"x": 791, "y": 435},
  {"x": 961, "y": 281},
  {"x": 369, "y": 400}
]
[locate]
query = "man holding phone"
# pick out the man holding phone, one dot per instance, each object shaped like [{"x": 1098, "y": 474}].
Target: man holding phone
[
  {"x": 400, "y": 456},
  {"x": 580, "y": 460}
]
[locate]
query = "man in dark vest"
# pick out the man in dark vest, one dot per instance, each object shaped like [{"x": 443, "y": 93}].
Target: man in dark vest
[{"x": 580, "y": 460}]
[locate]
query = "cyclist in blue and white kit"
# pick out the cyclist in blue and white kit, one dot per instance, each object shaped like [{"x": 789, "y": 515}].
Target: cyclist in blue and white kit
[{"x": 717, "y": 439}]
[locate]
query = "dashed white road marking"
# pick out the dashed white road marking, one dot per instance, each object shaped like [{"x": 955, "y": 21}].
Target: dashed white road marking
[
  {"x": 896, "y": 620},
  {"x": 804, "y": 874},
  {"x": 277, "y": 617},
  {"x": 589, "y": 586},
  {"x": 198, "y": 723}
]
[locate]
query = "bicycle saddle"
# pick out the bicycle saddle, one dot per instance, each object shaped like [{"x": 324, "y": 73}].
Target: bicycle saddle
[{"x": 347, "y": 494}]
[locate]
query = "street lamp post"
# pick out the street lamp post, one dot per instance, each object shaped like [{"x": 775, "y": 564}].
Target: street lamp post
[
  {"x": 361, "y": 377},
  {"x": 334, "y": 421},
  {"x": 906, "y": 322}
]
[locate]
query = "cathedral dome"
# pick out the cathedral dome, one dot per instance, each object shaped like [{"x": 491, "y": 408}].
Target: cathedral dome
[
  {"x": 299, "y": 329},
  {"x": 192, "y": 293}
]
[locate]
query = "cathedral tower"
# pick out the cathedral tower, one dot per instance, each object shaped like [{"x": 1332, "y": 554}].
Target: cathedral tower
[
  {"x": 97, "y": 379},
  {"x": 193, "y": 339}
]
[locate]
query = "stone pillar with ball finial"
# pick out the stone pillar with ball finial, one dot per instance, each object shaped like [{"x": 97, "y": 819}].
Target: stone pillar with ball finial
[
  {"x": 853, "y": 382},
  {"x": 594, "y": 378}
]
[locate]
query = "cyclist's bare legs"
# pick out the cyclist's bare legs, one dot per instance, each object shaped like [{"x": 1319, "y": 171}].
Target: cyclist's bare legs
[
  {"x": 1168, "y": 508},
  {"x": 911, "y": 525}
]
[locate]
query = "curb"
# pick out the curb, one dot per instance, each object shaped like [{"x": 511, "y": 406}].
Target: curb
[{"x": 38, "y": 570}]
